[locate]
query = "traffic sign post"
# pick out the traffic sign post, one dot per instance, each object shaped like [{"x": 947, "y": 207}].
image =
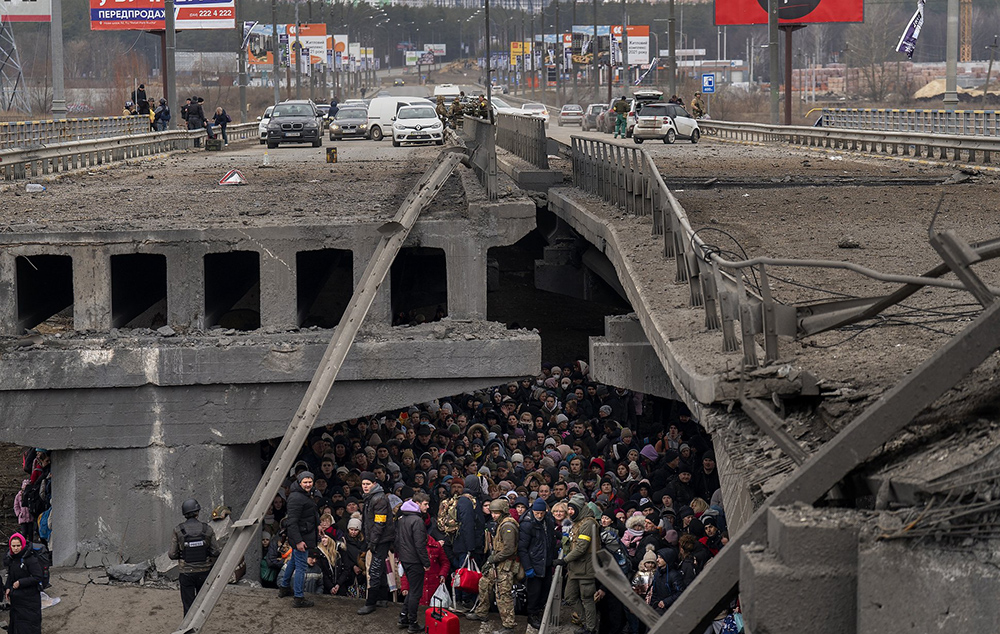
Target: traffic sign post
[{"x": 707, "y": 88}]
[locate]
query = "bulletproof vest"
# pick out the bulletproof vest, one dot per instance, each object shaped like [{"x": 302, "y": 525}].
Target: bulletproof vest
[{"x": 194, "y": 549}]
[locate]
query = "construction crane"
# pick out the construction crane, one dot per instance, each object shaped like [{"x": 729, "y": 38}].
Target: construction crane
[{"x": 965, "y": 25}]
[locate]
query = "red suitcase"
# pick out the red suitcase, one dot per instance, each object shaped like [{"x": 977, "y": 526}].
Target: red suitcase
[{"x": 440, "y": 621}]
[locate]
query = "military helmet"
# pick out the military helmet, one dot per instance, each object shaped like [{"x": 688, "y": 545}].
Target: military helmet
[
  {"x": 500, "y": 505},
  {"x": 190, "y": 507}
]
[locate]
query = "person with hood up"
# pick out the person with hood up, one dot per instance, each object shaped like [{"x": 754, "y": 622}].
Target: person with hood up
[
  {"x": 23, "y": 587},
  {"x": 302, "y": 524},
  {"x": 581, "y": 581},
  {"x": 501, "y": 568},
  {"x": 411, "y": 549},
  {"x": 536, "y": 548},
  {"x": 380, "y": 531},
  {"x": 470, "y": 540}
]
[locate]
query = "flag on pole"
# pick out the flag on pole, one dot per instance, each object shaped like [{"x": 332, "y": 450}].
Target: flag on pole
[
  {"x": 652, "y": 65},
  {"x": 908, "y": 41}
]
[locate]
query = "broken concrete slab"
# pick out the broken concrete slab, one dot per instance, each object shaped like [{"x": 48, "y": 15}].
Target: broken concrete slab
[{"x": 130, "y": 573}]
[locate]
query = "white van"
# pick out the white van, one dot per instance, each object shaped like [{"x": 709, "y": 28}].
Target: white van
[
  {"x": 448, "y": 91},
  {"x": 382, "y": 111}
]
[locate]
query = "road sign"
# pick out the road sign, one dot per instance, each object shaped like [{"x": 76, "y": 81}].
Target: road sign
[
  {"x": 233, "y": 177},
  {"x": 708, "y": 83}
]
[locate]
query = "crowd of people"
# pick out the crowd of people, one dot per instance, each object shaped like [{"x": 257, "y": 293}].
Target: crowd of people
[
  {"x": 409, "y": 508},
  {"x": 193, "y": 116},
  {"x": 27, "y": 560}
]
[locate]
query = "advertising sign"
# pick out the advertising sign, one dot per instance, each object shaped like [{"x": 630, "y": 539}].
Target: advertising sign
[
  {"x": 340, "y": 47},
  {"x": 26, "y": 11},
  {"x": 413, "y": 57},
  {"x": 638, "y": 43},
  {"x": 310, "y": 36},
  {"x": 583, "y": 45},
  {"x": 730, "y": 12},
  {"x": 148, "y": 15},
  {"x": 259, "y": 43},
  {"x": 439, "y": 50}
]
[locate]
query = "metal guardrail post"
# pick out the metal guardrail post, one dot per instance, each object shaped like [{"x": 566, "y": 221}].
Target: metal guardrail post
[
  {"x": 746, "y": 324},
  {"x": 728, "y": 307}
]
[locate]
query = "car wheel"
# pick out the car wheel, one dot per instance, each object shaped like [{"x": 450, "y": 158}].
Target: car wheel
[
  {"x": 440, "y": 141},
  {"x": 318, "y": 142},
  {"x": 331, "y": 137},
  {"x": 695, "y": 136},
  {"x": 376, "y": 133},
  {"x": 396, "y": 143},
  {"x": 272, "y": 144},
  {"x": 638, "y": 141},
  {"x": 671, "y": 137},
  {"x": 262, "y": 141}
]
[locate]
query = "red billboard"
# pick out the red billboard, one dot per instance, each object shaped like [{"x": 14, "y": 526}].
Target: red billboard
[{"x": 738, "y": 12}]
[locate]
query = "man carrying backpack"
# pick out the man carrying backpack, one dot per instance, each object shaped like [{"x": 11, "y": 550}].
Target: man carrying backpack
[
  {"x": 537, "y": 549},
  {"x": 195, "y": 546}
]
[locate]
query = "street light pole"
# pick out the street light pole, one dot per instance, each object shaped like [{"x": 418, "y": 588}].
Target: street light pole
[
  {"x": 274, "y": 51},
  {"x": 593, "y": 48},
  {"x": 298, "y": 52},
  {"x": 672, "y": 53},
  {"x": 489, "y": 63}
]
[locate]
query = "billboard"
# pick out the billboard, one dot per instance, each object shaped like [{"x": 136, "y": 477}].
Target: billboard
[
  {"x": 638, "y": 42},
  {"x": 309, "y": 36},
  {"x": 149, "y": 15},
  {"x": 439, "y": 50},
  {"x": 25, "y": 10},
  {"x": 738, "y": 12},
  {"x": 259, "y": 43}
]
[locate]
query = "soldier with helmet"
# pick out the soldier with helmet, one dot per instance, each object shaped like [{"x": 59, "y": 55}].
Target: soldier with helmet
[
  {"x": 194, "y": 545},
  {"x": 501, "y": 568}
]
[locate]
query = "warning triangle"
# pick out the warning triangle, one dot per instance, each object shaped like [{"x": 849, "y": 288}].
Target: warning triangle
[{"x": 233, "y": 177}]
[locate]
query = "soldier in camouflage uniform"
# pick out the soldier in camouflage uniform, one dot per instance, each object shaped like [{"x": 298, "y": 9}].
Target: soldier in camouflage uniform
[
  {"x": 580, "y": 578},
  {"x": 442, "y": 111},
  {"x": 501, "y": 567},
  {"x": 456, "y": 113}
]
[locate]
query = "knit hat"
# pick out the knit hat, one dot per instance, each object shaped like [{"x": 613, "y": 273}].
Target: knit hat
[
  {"x": 517, "y": 458},
  {"x": 650, "y": 556},
  {"x": 549, "y": 441},
  {"x": 368, "y": 475},
  {"x": 303, "y": 475},
  {"x": 539, "y": 505},
  {"x": 354, "y": 523},
  {"x": 605, "y": 409},
  {"x": 671, "y": 537}
]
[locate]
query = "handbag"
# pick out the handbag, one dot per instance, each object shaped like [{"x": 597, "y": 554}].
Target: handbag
[
  {"x": 441, "y": 597},
  {"x": 467, "y": 577}
]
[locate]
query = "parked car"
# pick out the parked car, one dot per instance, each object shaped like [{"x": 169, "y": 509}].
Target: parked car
[
  {"x": 686, "y": 125},
  {"x": 639, "y": 99},
  {"x": 590, "y": 116},
  {"x": 382, "y": 112},
  {"x": 571, "y": 114},
  {"x": 296, "y": 121},
  {"x": 349, "y": 123},
  {"x": 536, "y": 110},
  {"x": 417, "y": 124},
  {"x": 654, "y": 122},
  {"x": 262, "y": 124}
]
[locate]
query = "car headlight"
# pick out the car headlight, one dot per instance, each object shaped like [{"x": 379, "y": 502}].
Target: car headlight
[
  {"x": 436, "y": 126},
  {"x": 334, "y": 127},
  {"x": 399, "y": 126},
  {"x": 362, "y": 126},
  {"x": 310, "y": 126}
]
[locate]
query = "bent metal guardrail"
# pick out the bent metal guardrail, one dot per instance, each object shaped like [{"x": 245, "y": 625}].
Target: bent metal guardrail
[
  {"x": 480, "y": 137},
  {"x": 915, "y": 144},
  {"x": 16, "y": 164},
  {"x": 31, "y": 134},
  {"x": 961, "y": 122},
  {"x": 627, "y": 177},
  {"x": 524, "y": 136}
]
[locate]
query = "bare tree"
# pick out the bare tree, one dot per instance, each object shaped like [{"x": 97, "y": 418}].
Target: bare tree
[{"x": 870, "y": 47}]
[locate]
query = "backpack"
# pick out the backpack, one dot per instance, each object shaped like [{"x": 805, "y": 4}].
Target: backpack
[
  {"x": 448, "y": 516},
  {"x": 28, "y": 460},
  {"x": 228, "y": 118},
  {"x": 614, "y": 546},
  {"x": 194, "y": 547},
  {"x": 36, "y": 496},
  {"x": 45, "y": 561},
  {"x": 165, "y": 114}
]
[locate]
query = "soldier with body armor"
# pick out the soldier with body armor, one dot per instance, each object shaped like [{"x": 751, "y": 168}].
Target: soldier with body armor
[
  {"x": 456, "y": 112},
  {"x": 195, "y": 547},
  {"x": 442, "y": 111},
  {"x": 501, "y": 568}
]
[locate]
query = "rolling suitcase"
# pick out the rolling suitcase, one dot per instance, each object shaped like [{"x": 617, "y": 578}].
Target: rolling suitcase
[{"x": 440, "y": 621}]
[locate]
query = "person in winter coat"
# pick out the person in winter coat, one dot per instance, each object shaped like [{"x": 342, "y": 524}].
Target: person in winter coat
[
  {"x": 23, "y": 587},
  {"x": 470, "y": 540},
  {"x": 196, "y": 121},
  {"x": 380, "y": 531},
  {"x": 302, "y": 524},
  {"x": 222, "y": 119},
  {"x": 537, "y": 548},
  {"x": 411, "y": 549},
  {"x": 581, "y": 581},
  {"x": 666, "y": 581},
  {"x": 352, "y": 550},
  {"x": 501, "y": 567},
  {"x": 161, "y": 116},
  {"x": 439, "y": 570}
]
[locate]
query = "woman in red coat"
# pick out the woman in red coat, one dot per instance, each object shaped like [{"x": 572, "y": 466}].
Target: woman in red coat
[{"x": 440, "y": 567}]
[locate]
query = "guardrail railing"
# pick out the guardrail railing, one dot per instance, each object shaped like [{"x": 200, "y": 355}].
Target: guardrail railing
[
  {"x": 480, "y": 137},
  {"x": 524, "y": 136},
  {"x": 16, "y": 164},
  {"x": 739, "y": 291},
  {"x": 969, "y": 148},
  {"x": 960, "y": 122},
  {"x": 30, "y": 134}
]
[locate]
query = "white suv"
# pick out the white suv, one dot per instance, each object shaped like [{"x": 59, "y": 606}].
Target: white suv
[{"x": 417, "y": 124}]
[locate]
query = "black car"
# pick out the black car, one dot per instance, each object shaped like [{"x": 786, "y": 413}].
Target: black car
[
  {"x": 349, "y": 123},
  {"x": 295, "y": 122}
]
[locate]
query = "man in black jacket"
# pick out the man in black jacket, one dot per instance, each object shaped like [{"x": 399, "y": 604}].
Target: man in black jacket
[
  {"x": 471, "y": 537},
  {"x": 411, "y": 548},
  {"x": 301, "y": 522},
  {"x": 380, "y": 532},
  {"x": 537, "y": 548}
]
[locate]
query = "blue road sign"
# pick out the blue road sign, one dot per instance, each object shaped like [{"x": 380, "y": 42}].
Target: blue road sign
[{"x": 708, "y": 83}]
